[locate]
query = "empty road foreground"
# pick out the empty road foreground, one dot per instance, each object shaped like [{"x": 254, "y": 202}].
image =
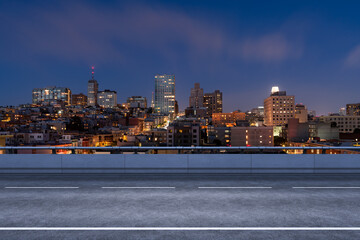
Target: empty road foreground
[{"x": 180, "y": 206}]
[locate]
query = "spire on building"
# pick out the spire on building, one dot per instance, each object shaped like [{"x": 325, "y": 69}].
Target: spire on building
[{"x": 92, "y": 72}]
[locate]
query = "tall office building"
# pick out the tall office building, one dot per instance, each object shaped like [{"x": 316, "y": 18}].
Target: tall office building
[
  {"x": 213, "y": 102},
  {"x": 353, "y": 109},
  {"x": 165, "y": 94},
  {"x": 278, "y": 108},
  {"x": 196, "y": 99},
  {"x": 107, "y": 99},
  {"x": 50, "y": 95},
  {"x": 93, "y": 88}
]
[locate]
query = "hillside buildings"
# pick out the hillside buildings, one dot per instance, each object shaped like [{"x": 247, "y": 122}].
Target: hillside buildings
[
  {"x": 107, "y": 99},
  {"x": 78, "y": 99},
  {"x": 51, "y": 95}
]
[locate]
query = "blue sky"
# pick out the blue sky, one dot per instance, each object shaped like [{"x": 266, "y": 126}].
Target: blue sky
[{"x": 311, "y": 49}]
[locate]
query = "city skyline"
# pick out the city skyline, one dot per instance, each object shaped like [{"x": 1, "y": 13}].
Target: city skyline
[
  {"x": 183, "y": 108},
  {"x": 179, "y": 119},
  {"x": 240, "y": 48}
]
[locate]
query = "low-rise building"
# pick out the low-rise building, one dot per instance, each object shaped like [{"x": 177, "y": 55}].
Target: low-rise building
[
  {"x": 346, "y": 124},
  {"x": 79, "y": 99},
  {"x": 107, "y": 99},
  {"x": 297, "y": 131},
  {"x": 252, "y": 136},
  {"x": 51, "y": 95},
  {"x": 183, "y": 133},
  {"x": 219, "y": 136},
  {"x": 227, "y": 119}
]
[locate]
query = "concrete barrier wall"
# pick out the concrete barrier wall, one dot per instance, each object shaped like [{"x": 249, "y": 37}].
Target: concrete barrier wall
[
  {"x": 219, "y": 163},
  {"x": 180, "y": 163},
  {"x": 30, "y": 163}
]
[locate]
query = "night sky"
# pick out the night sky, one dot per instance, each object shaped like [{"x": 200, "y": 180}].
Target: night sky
[{"x": 311, "y": 49}]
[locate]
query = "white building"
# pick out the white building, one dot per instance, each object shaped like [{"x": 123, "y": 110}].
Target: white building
[
  {"x": 107, "y": 99},
  {"x": 346, "y": 124}
]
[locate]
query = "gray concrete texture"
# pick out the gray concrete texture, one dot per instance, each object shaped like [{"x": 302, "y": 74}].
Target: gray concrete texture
[
  {"x": 185, "y": 206},
  {"x": 180, "y": 163}
]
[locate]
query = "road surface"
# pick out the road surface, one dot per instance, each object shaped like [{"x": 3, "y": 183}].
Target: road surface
[{"x": 180, "y": 206}]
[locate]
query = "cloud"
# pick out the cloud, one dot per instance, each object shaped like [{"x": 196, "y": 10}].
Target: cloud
[
  {"x": 85, "y": 33},
  {"x": 353, "y": 58},
  {"x": 273, "y": 47}
]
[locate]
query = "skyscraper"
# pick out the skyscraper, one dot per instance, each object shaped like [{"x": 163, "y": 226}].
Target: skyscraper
[
  {"x": 278, "y": 108},
  {"x": 213, "y": 102},
  {"x": 196, "y": 99},
  {"x": 93, "y": 88},
  {"x": 165, "y": 94}
]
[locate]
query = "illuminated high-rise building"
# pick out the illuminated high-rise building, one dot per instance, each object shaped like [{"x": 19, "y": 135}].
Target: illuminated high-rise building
[
  {"x": 165, "y": 94},
  {"x": 196, "y": 99},
  {"x": 50, "y": 95},
  {"x": 93, "y": 88},
  {"x": 278, "y": 108},
  {"x": 213, "y": 102}
]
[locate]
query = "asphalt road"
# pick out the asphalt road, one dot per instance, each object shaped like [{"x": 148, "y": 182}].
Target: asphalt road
[{"x": 194, "y": 206}]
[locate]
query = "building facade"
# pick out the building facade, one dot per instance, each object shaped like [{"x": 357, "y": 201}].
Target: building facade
[
  {"x": 137, "y": 102},
  {"x": 48, "y": 95},
  {"x": 227, "y": 119},
  {"x": 196, "y": 99},
  {"x": 78, "y": 99},
  {"x": 297, "y": 131},
  {"x": 301, "y": 113},
  {"x": 346, "y": 124},
  {"x": 252, "y": 136},
  {"x": 353, "y": 109},
  {"x": 183, "y": 134},
  {"x": 93, "y": 88},
  {"x": 278, "y": 108},
  {"x": 107, "y": 99},
  {"x": 164, "y": 94},
  {"x": 213, "y": 102},
  {"x": 219, "y": 136}
]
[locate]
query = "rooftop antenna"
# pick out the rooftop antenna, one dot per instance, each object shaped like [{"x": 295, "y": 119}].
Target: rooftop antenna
[{"x": 92, "y": 72}]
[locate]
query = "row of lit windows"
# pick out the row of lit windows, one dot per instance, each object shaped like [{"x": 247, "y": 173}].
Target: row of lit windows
[{"x": 282, "y": 111}]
